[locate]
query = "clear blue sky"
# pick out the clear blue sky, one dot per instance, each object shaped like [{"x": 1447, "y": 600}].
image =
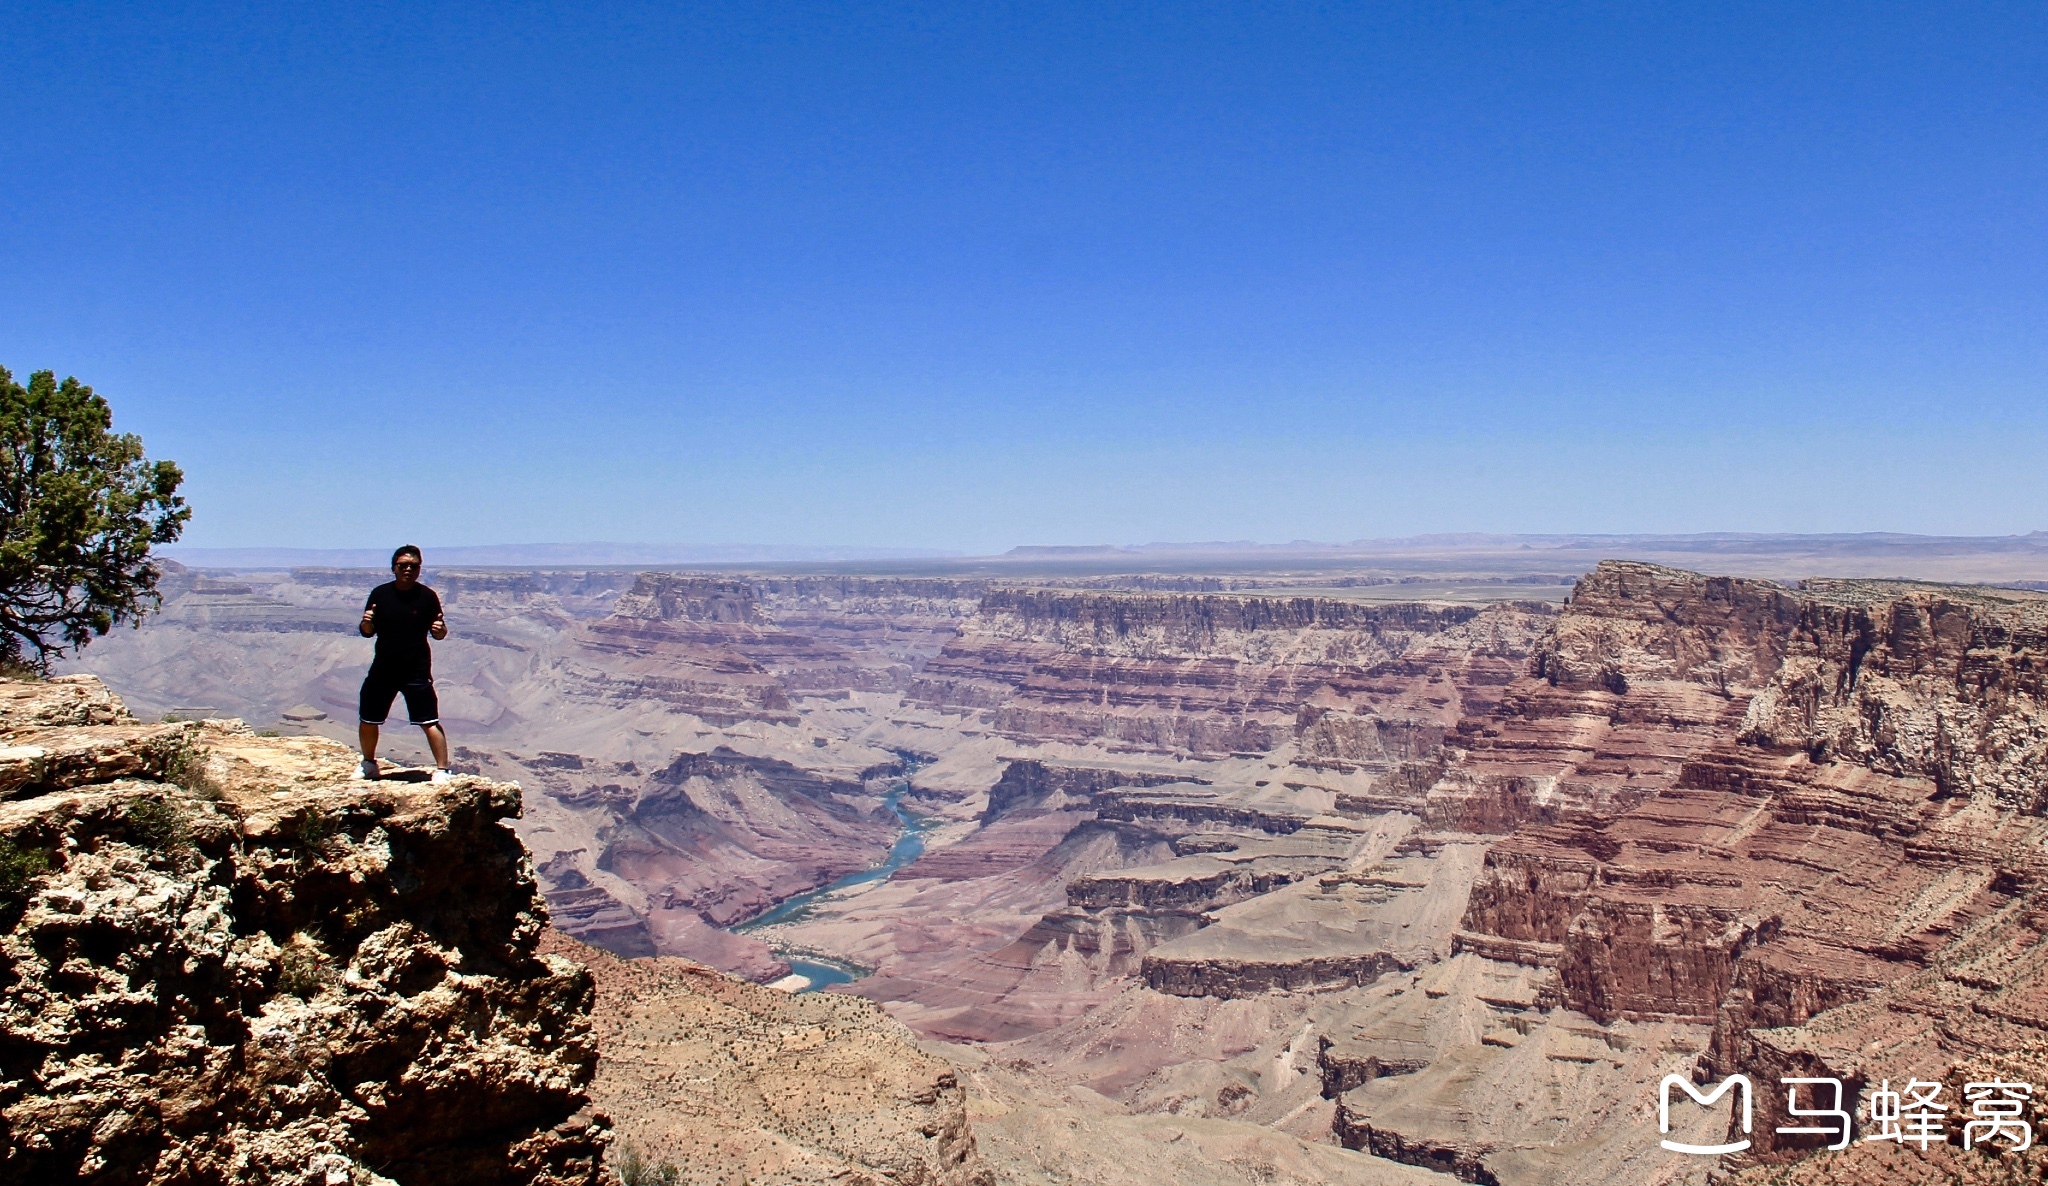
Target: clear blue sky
[{"x": 975, "y": 275}]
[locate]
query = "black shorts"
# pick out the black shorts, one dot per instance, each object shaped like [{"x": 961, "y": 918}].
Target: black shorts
[{"x": 422, "y": 707}]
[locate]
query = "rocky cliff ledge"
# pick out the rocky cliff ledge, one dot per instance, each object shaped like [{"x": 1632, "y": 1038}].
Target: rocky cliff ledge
[{"x": 224, "y": 962}]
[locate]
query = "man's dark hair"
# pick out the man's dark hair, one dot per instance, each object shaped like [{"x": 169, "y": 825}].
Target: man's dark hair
[{"x": 408, "y": 550}]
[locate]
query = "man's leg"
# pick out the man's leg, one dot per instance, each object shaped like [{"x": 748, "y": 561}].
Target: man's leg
[
  {"x": 424, "y": 707},
  {"x": 372, "y": 706},
  {"x": 438, "y": 742}
]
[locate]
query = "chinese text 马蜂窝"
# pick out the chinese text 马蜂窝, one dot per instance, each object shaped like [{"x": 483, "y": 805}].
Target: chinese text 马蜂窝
[{"x": 1913, "y": 1114}]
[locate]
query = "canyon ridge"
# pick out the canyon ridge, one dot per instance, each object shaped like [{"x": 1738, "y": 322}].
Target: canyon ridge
[{"x": 1421, "y": 865}]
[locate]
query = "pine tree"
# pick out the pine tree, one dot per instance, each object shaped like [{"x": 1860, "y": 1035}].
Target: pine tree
[{"x": 80, "y": 508}]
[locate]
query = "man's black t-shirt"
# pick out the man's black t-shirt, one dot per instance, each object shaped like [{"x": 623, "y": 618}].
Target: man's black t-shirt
[{"x": 403, "y": 616}]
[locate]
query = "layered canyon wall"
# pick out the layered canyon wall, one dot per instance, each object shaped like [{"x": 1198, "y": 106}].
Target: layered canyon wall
[
  {"x": 1714, "y": 762},
  {"x": 1454, "y": 885},
  {"x": 727, "y": 651},
  {"x": 1780, "y": 816},
  {"x": 1211, "y": 675}
]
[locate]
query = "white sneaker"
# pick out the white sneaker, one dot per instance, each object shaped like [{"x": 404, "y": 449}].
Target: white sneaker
[
  {"x": 366, "y": 771},
  {"x": 440, "y": 775}
]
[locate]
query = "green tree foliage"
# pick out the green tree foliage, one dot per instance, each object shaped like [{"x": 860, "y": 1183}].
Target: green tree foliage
[{"x": 80, "y": 508}]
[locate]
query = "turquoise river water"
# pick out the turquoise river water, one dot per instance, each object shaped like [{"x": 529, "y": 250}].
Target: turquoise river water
[{"x": 824, "y": 973}]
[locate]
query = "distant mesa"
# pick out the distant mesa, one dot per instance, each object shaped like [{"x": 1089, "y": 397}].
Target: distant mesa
[
  {"x": 1205, "y": 548},
  {"x": 304, "y": 712}
]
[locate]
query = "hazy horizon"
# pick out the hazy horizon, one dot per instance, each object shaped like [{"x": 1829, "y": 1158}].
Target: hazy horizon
[
  {"x": 1190, "y": 545},
  {"x": 2007, "y": 559}
]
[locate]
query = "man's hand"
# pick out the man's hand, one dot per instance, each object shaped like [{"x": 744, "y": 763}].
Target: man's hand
[
  {"x": 368, "y": 625},
  {"x": 439, "y": 629}
]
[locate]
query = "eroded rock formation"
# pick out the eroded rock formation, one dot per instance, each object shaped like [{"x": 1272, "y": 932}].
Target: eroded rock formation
[
  {"x": 1212, "y": 674},
  {"x": 283, "y": 976},
  {"x": 1449, "y": 883},
  {"x": 712, "y": 648},
  {"x": 679, "y": 853},
  {"x": 727, "y": 1081},
  {"x": 1805, "y": 817}
]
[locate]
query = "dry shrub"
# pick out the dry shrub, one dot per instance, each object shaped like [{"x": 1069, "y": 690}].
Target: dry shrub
[{"x": 303, "y": 969}]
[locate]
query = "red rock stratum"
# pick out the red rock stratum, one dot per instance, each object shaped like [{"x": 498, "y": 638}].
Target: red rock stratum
[{"x": 1808, "y": 818}]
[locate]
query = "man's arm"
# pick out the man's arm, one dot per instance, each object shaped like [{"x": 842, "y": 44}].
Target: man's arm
[
  {"x": 439, "y": 628},
  {"x": 368, "y": 626}
]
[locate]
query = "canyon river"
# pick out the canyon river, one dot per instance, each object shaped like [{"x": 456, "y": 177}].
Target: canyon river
[{"x": 818, "y": 971}]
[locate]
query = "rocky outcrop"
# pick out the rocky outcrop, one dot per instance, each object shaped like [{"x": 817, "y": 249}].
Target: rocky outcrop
[
  {"x": 1734, "y": 748},
  {"x": 1316, "y": 930},
  {"x": 726, "y": 836},
  {"x": 38, "y": 760},
  {"x": 1213, "y": 675},
  {"x": 904, "y": 620},
  {"x": 66, "y": 700},
  {"x": 1227, "y": 977},
  {"x": 1743, "y": 827},
  {"x": 660, "y": 859},
  {"x": 1179, "y": 808},
  {"x": 1977, "y": 1013},
  {"x": 1033, "y": 786},
  {"x": 1804, "y": 816},
  {"x": 1192, "y": 884},
  {"x": 1469, "y": 1068},
  {"x": 729, "y": 650},
  {"x": 589, "y": 912},
  {"x": 1652, "y": 669},
  {"x": 727, "y": 1081},
  {"x": 273, "y": 974},
  {"x": 1463, "y": 1161}
]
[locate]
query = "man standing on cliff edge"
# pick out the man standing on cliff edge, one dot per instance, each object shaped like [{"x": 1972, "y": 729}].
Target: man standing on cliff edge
[{"x": 400, "y": 614}]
